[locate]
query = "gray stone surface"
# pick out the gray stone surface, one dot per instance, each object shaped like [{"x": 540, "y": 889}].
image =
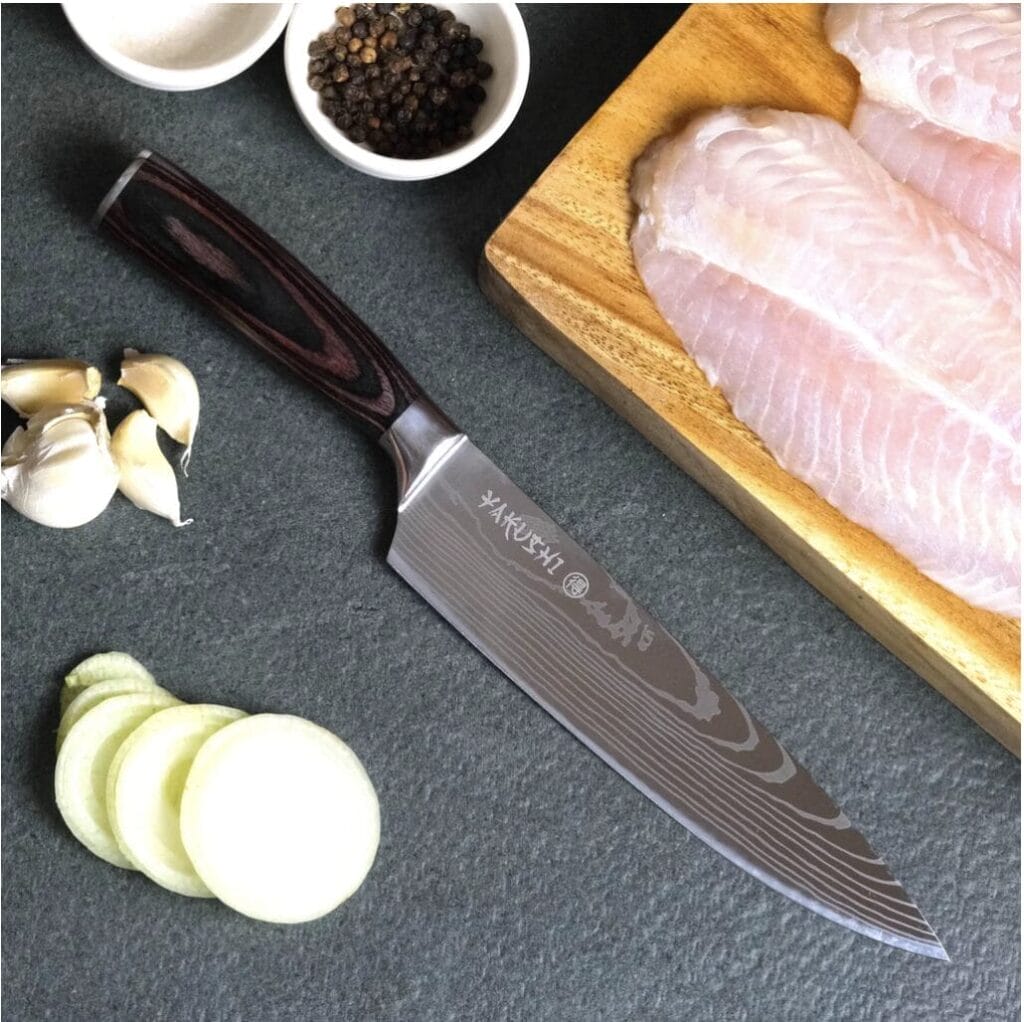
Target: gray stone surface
[{"x": 518, "y": 877}]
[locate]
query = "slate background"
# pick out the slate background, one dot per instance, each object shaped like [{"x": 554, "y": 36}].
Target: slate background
[{"x": 518, "y": 877}]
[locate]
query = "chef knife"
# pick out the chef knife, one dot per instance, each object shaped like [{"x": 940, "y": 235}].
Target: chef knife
[{"x": 516, "y": 585}]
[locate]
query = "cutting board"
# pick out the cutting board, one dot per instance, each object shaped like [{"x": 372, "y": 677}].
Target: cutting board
[{"x": 560, "y": 267}]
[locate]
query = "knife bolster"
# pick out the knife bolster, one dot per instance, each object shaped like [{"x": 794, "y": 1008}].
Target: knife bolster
[{"x": 419, "y": 442}]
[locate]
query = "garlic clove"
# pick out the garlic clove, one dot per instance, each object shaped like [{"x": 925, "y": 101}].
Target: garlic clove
[
  {"x": 147, "y": 478},
  {"x": 58, "y": 471},
  {"x": 15, "y": 443},
  {"x": 33, "y": 385},
  {"x": 169, "y": 392}
]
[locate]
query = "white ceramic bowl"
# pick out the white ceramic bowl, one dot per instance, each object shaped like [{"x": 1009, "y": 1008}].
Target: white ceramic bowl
[
  {"x": 506, "y": 48},
  {"x": 177, "y": 46}
]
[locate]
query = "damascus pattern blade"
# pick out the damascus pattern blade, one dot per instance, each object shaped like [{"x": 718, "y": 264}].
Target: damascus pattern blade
[{"x": 540, "y": 608}]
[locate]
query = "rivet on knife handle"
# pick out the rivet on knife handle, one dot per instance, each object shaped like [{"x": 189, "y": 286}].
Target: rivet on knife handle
[{"x": 205, "y": 244}]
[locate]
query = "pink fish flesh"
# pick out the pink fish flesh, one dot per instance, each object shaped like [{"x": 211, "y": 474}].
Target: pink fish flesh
[
  {"x": 940, "y": 103},
  {"x": 860, "y": 330}
]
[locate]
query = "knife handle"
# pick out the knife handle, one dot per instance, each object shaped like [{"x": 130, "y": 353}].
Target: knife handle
[{"x": 205, "y": 244}]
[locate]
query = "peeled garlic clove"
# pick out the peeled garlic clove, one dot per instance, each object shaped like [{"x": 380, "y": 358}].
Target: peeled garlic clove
[
  {"x": 58, "y": 471},
  {"x": 32, "y": 385},
  {"x": 169, "y": 392},
  {"x": 147, "y": 478}
]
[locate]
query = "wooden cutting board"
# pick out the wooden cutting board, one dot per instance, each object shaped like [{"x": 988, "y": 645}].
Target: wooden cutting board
[{"x": 560, "y": 268}]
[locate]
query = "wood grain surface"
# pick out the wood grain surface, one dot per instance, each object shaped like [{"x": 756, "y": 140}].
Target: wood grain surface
[
  {"x": 560, "y": 267},
  {"x": 208, "y": 247}
]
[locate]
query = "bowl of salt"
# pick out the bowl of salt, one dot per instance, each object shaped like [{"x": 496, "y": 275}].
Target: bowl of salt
[{"x": 177, "y": 46}]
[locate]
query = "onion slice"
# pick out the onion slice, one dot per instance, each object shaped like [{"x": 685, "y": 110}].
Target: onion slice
[
  {"x": 92, "y": 696},
  {"x": 80, "y": 784},
  {"x": 144, "y": 786},
  {"x": 101, "y": 667},
  {"x": 279, "y": 818}
]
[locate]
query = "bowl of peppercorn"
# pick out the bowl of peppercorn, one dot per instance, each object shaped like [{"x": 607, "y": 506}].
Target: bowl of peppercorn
[{"x": 407, "y": 91}]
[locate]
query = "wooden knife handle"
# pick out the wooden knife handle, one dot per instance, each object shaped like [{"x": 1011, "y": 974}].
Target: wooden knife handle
[{"x": 254, "y": 283}]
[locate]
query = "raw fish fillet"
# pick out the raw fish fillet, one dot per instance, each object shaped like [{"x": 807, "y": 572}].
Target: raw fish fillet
[
  {"x": 862, "y": 332},
  {"x": 940, "y": 103}
]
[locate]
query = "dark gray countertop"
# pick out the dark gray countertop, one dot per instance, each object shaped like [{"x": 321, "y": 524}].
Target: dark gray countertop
[{"x": 518, "y": 877}]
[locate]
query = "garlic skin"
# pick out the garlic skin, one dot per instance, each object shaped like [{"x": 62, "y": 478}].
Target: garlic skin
[
  {"x": 58, "y": 470},
  {"x": 169, "y": 392},
  {"x": 30, "y": 386},
  {"x": 147, "y": 478}
]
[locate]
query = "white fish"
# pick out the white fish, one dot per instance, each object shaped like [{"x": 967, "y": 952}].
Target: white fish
[
  {"x": 862, "y": 332},
  {"x": 940, "y": 103}
]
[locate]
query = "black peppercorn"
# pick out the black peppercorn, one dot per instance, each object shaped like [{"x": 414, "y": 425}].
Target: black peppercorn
[{"x": 401, "y": 78}]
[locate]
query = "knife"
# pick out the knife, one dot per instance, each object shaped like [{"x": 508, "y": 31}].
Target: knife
[{"x": 516, "y": 585}]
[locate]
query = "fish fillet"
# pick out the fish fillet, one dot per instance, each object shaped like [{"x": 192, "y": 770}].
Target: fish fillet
[
  {"x": 862, "y": 332},
  {"x": 940, "y": 103}
]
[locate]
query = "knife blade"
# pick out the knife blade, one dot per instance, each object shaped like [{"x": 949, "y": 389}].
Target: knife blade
[{"x": 516, "y": 585}]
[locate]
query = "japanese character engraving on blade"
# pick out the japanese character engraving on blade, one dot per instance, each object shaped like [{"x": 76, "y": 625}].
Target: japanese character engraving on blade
[{"x": 539, "y": 607}]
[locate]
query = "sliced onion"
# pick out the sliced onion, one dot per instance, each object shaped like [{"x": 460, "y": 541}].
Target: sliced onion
[
  {"x": 144, "y": 787},
  {"x": 279, "y": 818}
]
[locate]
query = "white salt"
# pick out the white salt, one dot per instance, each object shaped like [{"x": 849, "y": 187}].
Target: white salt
[{"x": 184, "y": 35}]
